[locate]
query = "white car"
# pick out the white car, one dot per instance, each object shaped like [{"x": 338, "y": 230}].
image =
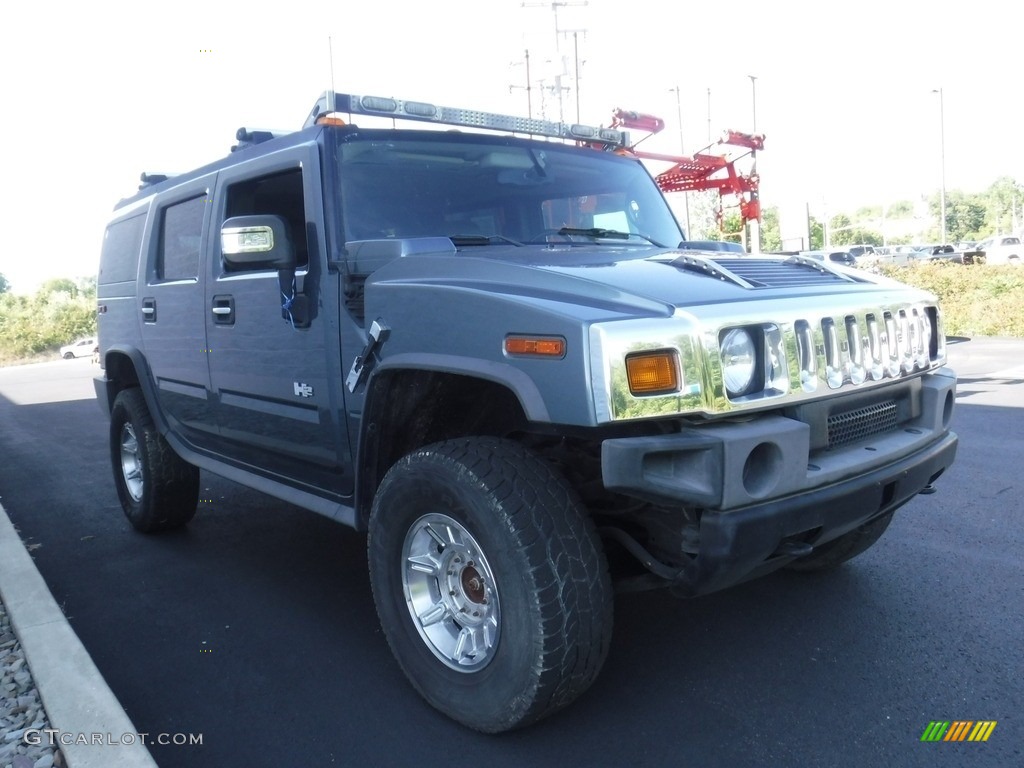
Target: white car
[
  {"x": 1002, "y": 249},
  {"x": 80, "y": 348}
]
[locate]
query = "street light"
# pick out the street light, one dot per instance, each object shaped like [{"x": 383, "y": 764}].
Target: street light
[
  {"x": 753, "y": 92},
  {"x": 682, "y": 151},
  {"x": 755, "y": 225},
  {"x": 942, "y": 154}
]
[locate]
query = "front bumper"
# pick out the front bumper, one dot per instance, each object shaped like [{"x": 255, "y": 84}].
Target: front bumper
[{"x": 765, "y": 494}]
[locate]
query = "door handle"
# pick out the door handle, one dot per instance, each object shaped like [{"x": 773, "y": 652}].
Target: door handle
[
  {"x": 223, "y": 310},
  {"x": 149, "y": 310}
]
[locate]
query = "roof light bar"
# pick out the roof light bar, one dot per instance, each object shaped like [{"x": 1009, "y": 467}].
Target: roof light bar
[{"x": 421, "y": 111}]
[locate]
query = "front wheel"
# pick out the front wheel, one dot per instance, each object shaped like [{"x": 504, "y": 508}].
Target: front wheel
[
  {"x": 846, "y": 547},
  {"x": 157, "y": 489},
  {"x": 490, "y": 582}
]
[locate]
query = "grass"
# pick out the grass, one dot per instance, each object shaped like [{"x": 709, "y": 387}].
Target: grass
[
  {"x": 8, "y": 359},
  {"x": 976, "y": 300}
]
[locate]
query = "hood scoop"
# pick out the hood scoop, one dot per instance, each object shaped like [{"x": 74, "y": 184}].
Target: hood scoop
[{"x": 758, "y": 272}]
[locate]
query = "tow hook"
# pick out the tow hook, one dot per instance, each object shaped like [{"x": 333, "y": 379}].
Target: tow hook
[{"x": 928, "y": 490}]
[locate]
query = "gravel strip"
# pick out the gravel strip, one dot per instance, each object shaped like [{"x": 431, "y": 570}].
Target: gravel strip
[{"x": 20, "y": 709}]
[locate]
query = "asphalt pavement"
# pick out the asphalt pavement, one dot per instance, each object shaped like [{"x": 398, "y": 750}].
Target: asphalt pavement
[{"x": 254, "y": 629}]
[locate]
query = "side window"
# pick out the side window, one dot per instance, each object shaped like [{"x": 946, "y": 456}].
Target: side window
[
  {"x": 122, "y": 242},
  {"x": 181, "y": 231},
  {"x": 278, "y": 194}
]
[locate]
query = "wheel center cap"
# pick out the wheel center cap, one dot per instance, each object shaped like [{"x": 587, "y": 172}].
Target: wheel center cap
[{"x": 472, "y": 584}]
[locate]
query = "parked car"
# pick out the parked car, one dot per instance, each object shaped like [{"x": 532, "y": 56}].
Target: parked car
[
  {"x": 845, "y": 258},
  {"x": 946, "y": 253},
  {"x": 861, "y": 250},
  {"x": 1001, "y": 249},
  {"x": 712, "y": 245},
  {"x": 80, "y": 348}
]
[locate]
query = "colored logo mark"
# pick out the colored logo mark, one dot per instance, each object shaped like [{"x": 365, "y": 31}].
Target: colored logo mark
[{"x": 958, "y": 730}]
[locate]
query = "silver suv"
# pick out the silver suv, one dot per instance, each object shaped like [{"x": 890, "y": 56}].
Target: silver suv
[{"x": 487, "y": 349}]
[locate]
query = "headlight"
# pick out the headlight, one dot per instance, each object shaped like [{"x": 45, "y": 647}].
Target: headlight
[{"x": 739, "y": 361}]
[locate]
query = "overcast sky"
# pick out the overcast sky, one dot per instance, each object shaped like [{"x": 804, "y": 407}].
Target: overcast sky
[{"x": 95, "y": 93}]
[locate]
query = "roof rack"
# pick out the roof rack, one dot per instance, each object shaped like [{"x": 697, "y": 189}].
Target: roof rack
[
  {"x": 379, "y": 106},
  {"x": 250, "y": 137},
  {"x": 149, "y": 179}
]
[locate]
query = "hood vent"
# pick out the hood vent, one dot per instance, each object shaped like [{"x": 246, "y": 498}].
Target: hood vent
[{"x": 792, "y": 272}]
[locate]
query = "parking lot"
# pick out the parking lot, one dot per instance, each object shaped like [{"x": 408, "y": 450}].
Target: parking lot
[{"x": 255, "y": 626}]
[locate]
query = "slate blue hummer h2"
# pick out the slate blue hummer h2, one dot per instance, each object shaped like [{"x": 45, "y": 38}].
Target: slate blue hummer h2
[{"x": 486, "y": 347}]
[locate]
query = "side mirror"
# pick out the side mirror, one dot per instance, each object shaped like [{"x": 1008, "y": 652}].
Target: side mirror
[{"x": 257, "y": 242}]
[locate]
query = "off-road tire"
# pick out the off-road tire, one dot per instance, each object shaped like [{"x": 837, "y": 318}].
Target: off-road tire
[
  {"x": 846, "y": 547},
  {"x": 158, "y": 491},
  {"x": 539, "y": 559}
]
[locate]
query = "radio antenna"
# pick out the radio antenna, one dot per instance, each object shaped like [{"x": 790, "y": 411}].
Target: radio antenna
[{"x": 330, "y": 56}]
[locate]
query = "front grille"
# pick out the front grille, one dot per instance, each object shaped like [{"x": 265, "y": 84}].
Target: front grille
[{"x": 851, "y": 426}]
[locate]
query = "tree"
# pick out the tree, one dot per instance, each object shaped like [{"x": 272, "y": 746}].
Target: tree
[
  {"x": 901, "y": 209},
  {"x": 965, "y": 216},
  {"x": 771, "y": 235},
  {"x": 59, "y": 285},
  {"x": 4, "y": 285},
  {"x": 842, "y": 231},
  {"x": 817, "y": 233},
  {"x": 1003, "y": 202}
]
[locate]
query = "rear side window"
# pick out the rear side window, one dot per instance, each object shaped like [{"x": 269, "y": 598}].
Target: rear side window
[
  {"x": 181, "y": 232},
  {"x": 119, "y": 259}
]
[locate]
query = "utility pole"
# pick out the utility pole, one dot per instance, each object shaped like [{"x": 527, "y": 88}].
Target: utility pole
[
  {"x": 562, "y": 64},
  {"x": 528, "y": 87}
]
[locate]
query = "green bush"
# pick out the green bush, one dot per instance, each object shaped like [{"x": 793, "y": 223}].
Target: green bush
[
  {"x": 41, "y": 324},
  {"x": 976, "y": 300}
]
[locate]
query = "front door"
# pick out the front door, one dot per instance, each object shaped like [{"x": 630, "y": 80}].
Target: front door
[{"x": 276, "y": 378}]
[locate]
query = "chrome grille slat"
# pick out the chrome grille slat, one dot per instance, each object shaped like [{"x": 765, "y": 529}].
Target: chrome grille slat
[{"x": 854, "y": 349}]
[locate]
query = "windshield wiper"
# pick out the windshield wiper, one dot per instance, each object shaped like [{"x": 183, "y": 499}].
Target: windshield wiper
[
  {"x": 611, "y": 234},
  {"x": 482, "y": 240}
]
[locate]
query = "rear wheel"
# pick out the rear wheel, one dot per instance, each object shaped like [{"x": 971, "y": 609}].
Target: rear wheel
[
  {"x": 158, "y": 491},
  {"x": 489, "y": 581},
  {"x": 846, "y": 547},
  {"x": 69, "y": 355}
]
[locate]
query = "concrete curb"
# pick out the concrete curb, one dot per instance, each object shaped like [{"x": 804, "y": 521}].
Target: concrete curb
[{"x": 78, "y": 702}]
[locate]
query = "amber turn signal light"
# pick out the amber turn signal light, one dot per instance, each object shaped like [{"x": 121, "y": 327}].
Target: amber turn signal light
[
  {"x": 653, "y": 373},
  {"x": 535, "y": 346}
]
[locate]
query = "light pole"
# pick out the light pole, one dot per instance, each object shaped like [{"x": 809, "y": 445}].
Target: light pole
[
  {"x": 709, "y": 117},
  {"x": 682, "y": 151},
  {"x": 755, "y": 225},
  {"x": 753, "y": 93},
  {"x": 942, "y": 155}
]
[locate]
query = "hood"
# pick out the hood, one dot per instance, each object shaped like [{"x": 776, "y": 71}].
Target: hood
[{"x": 646, "y": 281}]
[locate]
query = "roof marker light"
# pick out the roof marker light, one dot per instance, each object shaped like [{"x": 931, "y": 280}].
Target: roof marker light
[{"x": 378, "y": 104}]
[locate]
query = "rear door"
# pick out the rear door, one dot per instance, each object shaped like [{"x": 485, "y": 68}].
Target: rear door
[
  {"x": 170, "y": 307},
  {"x": 276, "y": 377}
]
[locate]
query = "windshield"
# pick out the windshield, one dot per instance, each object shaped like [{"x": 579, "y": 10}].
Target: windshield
[{"x": 494, "y": 189}]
